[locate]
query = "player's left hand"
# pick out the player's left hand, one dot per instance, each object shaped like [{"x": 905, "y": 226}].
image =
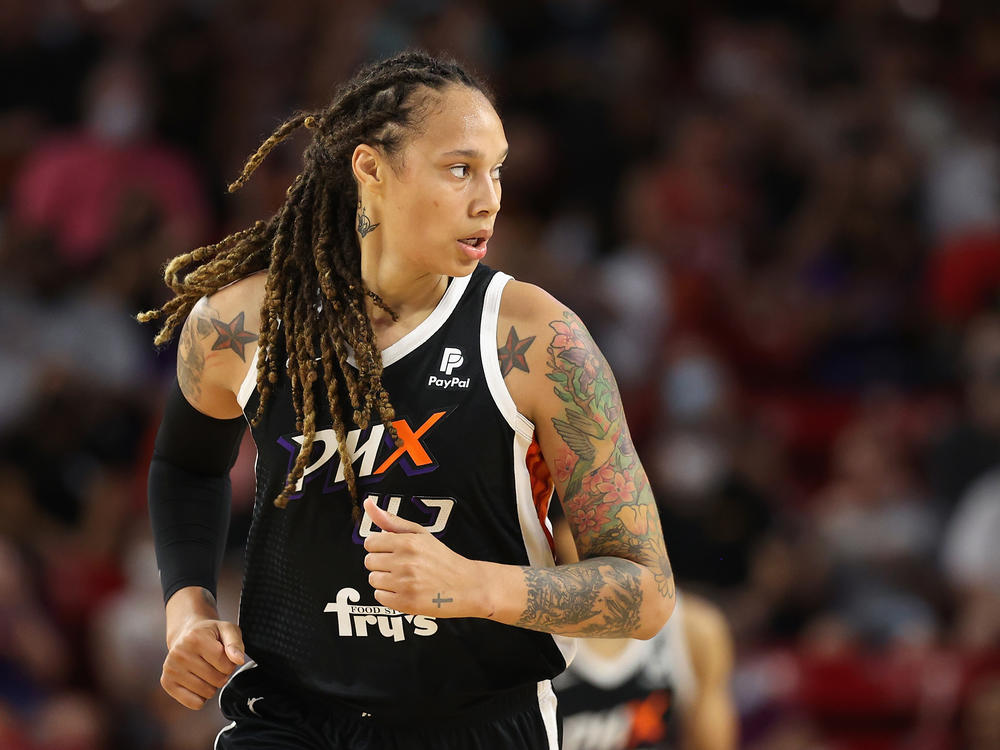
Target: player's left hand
[{"x": 414, "y": 572}]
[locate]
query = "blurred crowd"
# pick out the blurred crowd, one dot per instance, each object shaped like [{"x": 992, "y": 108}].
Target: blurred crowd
[{"x": 781, "y": 221}]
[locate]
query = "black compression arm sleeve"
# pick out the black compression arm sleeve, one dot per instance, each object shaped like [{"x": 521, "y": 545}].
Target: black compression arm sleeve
[{"x": 190, "y": 492}]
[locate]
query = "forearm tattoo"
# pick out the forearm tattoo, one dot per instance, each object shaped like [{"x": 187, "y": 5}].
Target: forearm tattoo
[
  {"x": 606, "y": 495},
  {"x": 597, "y": 597}
]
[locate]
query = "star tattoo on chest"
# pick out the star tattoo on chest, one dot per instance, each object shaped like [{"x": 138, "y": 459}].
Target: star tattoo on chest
[
  {"x": 232, "y": 336},
  {"x": 512, "y": 353}
]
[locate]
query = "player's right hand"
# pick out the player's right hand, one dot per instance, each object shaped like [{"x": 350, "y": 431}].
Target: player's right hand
[{"x": 200, "y": 660}]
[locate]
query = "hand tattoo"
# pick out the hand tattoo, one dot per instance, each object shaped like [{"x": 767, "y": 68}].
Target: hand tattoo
[{"x": 439, "y": 601}]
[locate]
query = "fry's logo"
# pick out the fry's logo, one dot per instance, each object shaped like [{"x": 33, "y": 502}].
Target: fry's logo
[
  {"x": 373, "y": 449},
  {"x": 370, "y": 619}
]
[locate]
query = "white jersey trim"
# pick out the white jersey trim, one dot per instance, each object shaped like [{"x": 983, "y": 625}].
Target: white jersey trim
[
  {"x": 427, "y": 327},
  {"x": 609, "y": 672},
  {"x": 230, "y": 725},
  {"x": 249, "y": 381},
  {"x": 536, "y": 543},
  {"x": 547, "y": 703},
  {"x": 491, "y": 362},
  {"x": 249, "y": 664},
  {"x": 411, "y": 341}
]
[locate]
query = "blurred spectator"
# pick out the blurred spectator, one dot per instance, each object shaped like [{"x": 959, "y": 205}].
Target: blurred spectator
[
  {"x": 44, "y": 58},
  {"x": 971, "y": 445},
  {"x": 963, "y": 181},
  {"x": 981, "y": 717},
  {"x": 127, "y": 649},
  {"x": 714, "y": 475},
  {"x": 880, "y": 533},
  {"x": 34, "y": 658},
  {"x": 77, "y": 190},
  {"x": 70, "y": 721},
  {"x": 971, "y": 558}
]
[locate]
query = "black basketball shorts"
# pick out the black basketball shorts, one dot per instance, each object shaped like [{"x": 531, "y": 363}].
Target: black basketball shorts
[{"x": 263, "y": 716}]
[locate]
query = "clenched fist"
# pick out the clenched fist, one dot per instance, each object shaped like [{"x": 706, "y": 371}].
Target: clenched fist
[
  {"x": 413, "y": 572},
  {"x": 202, "y": 652}
]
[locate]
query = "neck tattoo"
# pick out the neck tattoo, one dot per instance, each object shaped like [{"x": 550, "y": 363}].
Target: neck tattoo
[{"x": 365, "y": 226}]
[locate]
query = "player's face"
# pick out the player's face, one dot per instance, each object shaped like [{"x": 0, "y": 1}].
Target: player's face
[{"x": 444, "y": 195}]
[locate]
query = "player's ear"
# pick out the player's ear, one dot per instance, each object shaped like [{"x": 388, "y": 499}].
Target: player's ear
[{"x": 367, "y": 165}]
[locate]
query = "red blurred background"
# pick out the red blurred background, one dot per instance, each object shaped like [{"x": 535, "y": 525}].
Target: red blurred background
[{"x": 781, "y": 221}]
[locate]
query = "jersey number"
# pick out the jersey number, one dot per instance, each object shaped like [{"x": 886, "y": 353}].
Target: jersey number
[{"x": 438, "y": 510}]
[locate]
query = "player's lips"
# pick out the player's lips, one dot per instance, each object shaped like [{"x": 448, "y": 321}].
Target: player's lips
[{"x": 474, "y": 245}]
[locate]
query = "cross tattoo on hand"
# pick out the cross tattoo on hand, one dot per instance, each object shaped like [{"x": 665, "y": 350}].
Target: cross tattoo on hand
[{"x": 439, "y": 601}]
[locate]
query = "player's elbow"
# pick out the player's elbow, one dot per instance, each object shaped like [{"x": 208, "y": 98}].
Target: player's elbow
[{"x": 658, "y": 611}]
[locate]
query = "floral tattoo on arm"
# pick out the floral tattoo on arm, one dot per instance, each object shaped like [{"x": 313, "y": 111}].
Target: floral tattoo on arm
[{"x": 606, "y": 496}]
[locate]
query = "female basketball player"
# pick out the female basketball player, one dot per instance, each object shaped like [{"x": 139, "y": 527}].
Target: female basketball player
[{"x": 413, "y": 411}]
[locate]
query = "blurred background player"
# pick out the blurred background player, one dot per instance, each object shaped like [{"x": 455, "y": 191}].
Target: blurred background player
[{"x": 669, "y": 692}]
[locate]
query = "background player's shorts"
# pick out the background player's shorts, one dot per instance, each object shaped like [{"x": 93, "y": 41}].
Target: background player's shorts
[{"x": 263, "y": 715}]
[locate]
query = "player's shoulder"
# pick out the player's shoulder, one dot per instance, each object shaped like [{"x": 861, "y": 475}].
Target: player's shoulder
[
  {"x": 235, "y": 307},
  {"x": 218, "y": 342},
  {"x": 531, "y": 307},
  {"x": 534, "y": 329},
  {"x": 241, "y": 296},
  {"x": 531, "y": 311}
]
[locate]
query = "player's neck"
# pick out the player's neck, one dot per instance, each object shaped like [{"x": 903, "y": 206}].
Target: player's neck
[{"x": 410, "y": 294}]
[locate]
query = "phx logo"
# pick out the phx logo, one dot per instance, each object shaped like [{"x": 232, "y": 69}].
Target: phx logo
[{"x": 373, "y": 453}]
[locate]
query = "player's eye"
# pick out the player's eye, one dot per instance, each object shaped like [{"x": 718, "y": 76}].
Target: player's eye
[
  {"x": 496, "y": 171},
  {"x": 461, "y": 170}
]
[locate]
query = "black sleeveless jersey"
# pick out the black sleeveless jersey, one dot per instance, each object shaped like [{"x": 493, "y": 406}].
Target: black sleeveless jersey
[{"x": 469, "y": 469}]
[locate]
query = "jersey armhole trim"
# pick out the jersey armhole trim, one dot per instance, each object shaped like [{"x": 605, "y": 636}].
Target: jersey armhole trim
[
  {"x": 249, "y": 381},
  {"x": 491, "y": 363}
]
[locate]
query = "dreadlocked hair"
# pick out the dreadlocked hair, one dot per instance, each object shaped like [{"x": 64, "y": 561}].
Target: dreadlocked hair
[{"x": 314, "y": 294}]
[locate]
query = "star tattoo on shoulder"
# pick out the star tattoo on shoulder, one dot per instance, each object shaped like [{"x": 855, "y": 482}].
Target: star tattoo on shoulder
[
  {"x": 232, "y": 336},
  {"x": 512, "y": 353}
]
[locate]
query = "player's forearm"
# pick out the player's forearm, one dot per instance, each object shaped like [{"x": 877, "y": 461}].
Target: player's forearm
[{"x": 603, "y": 597}]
